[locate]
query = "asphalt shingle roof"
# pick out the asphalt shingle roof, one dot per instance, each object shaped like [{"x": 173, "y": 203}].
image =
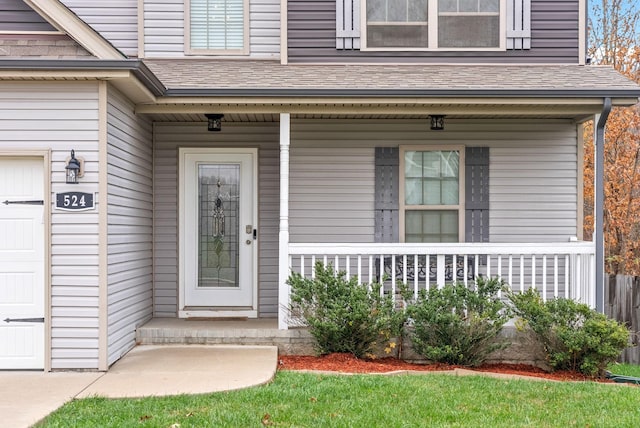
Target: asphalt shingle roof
[{"x": 251, "y": 75}]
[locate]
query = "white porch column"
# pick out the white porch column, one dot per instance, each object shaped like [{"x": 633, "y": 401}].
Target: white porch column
[{"x": 283, "y": 247}]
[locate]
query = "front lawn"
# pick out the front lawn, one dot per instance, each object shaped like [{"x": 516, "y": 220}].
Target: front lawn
[{"x": 313, "y": 400}]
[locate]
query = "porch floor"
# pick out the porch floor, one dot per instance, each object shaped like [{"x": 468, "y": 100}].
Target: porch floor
[{"x": 262, "y": 331}]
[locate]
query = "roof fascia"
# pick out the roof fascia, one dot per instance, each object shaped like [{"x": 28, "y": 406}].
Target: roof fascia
[
  {"x": 58, "y": 15},
  {"x": 83, "y": 67},
  {"x": 407, "y": 93}
]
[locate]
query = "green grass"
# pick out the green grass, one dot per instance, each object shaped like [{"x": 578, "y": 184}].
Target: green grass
[
  {"x": 632, "y": 370},
  {"x": 312, "y": 400}
]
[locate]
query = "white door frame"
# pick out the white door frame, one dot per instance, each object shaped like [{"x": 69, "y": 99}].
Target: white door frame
[
  {"x": 183, "y": 312},
  {"x": 45, "y": 156}
]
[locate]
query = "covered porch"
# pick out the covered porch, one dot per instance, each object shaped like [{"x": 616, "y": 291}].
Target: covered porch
[{"x": 318, "y": 178}]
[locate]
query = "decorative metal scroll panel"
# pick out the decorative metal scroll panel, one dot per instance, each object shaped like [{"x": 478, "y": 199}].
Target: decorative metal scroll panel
[{"x": 218, "y": 228}]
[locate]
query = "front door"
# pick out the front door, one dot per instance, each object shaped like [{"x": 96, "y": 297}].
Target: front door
[
  {"x": 218, "y": 232},
  {"x": 22, "y": 263}
]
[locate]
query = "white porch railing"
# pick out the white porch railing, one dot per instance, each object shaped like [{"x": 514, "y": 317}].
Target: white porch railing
[{"x": 555, "y": 269}]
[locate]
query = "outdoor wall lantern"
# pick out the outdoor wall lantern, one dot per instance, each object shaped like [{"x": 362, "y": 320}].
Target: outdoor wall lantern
[
  {"x": 437, "y": 122},
  {"x": 73, "y": 169},
  {"x": 214, "y": 122}
]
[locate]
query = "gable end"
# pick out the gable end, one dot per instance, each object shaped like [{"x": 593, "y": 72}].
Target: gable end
[{"x": 16, "y": 16}]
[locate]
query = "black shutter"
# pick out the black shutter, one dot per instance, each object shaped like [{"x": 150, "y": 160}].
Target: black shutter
[
  {"x": 386, "y": 194},
  {"x": 477, "y": 194}
]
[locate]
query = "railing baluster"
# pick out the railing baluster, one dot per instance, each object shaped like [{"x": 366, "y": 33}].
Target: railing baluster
[
  {"x": 393, "y": 273},
  {"x": 347, "y": 262},
  {"x": 477, "y": 265},
  {"x": 533, "y": 271},
  {"x": 302, "y": 265},
  {"x": 440, "y": 267},
  {"x": 544, "y": 277},
  {"x": 416, "y": 276},
  {"x": 465, "y": 270},
  {"x": 370, "y": 270},
  {"x": 556, "y": 268},
  {"x": 336, "y": 265},
  {"x": 567, "y": 291},
  {"x": 577, "y": 270},
  {"x": 488, "y": 266},
  {"x": 454, "y": 268},
  {"x": 500, "y": 272},
  {"x": 510, "y": 277},
  {"x": 404, "y": 268},
  {"x": 359, "y": 269},
  {"x": 522, "y": 273},
  {"x": 382, "y": 274},
  {"x": 427, "y": 276}
]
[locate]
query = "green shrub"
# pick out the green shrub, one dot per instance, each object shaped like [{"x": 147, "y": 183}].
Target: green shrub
[
  {"x": 343, "y": 315},
  {"x": 459, "y": 325},
  {"x": 574, "y": 336}
]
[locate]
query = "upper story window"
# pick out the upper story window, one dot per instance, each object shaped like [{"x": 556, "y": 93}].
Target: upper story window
[
  {"x": 217, "y": 27},
  {"x": 435, "y": 24}
]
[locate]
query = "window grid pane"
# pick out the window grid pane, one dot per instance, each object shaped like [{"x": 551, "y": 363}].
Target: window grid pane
[
  {"x": 431, "y": 226},
  {"x": 432, "y": 177}
]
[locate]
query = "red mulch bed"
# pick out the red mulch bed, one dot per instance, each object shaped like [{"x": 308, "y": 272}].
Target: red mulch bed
[{"x": 347, "y": 363}]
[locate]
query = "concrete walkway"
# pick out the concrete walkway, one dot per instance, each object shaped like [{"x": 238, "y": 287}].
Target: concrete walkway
[{"x": 27, "y": 397}]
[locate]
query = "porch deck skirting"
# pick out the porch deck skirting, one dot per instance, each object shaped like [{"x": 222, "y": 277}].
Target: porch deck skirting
[{"x": 554, "y": 269}]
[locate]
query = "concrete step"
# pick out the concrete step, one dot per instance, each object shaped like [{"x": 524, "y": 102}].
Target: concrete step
[{"x": 254, "y": 332}]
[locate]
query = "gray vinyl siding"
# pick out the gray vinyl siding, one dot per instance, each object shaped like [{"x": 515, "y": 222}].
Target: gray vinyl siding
[
  {"x": 539, "y": 204},
  {"x": 60, "y": 116},
  {"x": 164, "y": 28},
  {"x": 115, "y": 20},
  {"x": 17, "y": 16},
  {"x": 129, "y": 220},
  {"x": 533, "y": 177},
  {"x": 167, "y": 138},
  {"x": 331, "y": 194},
  {"x": 554, "y": 38}
]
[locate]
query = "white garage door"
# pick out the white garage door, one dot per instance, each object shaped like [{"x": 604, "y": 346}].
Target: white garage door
[{"x": 22, "y": 292}]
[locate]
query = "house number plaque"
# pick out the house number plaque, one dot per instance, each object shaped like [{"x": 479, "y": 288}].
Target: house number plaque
[{"x": 74, "y": 201}]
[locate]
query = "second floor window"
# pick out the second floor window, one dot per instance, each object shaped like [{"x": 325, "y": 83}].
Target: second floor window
[
  {"x": 217, "y": 26},
  {"x": 434, "y": 24}
]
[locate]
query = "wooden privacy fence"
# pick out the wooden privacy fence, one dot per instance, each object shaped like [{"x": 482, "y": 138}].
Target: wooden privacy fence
[{"x": 622, "y": 303}]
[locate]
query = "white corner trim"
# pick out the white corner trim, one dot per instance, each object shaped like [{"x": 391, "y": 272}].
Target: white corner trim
[
  {"x": 103, "y": 231},
  {"x": 63, "y": 19},
  {"x": 284, "y": 39}
]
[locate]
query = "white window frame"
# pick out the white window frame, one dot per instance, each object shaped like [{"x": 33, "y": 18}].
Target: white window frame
[
  {"x": 460, "y": 207},
  {"x": 188, "y": 50},
  {"x": 433, "y": 32}
]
